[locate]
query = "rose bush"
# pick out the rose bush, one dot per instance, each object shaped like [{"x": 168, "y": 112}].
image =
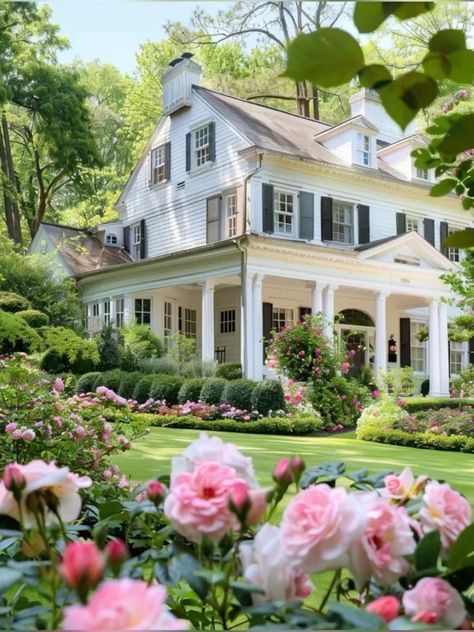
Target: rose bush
[{"x": 202, "y": 548}]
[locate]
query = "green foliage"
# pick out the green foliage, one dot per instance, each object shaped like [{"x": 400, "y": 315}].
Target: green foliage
[
  {"x": 86, "y": 383},
  {"x": 166, "y": 387},
  {"x": 416, "y": 404},
  {"x": 428, "y": 440},
  {"x": 161, "y": 366},
  {"x": 127, "y": 384},
  {"x": 126, "y": 359},
  {"x": 111, "y": 379},
  {"x": 108, "y": 348},
  {"x": 34, "y": 318},
  {"x": 190, "y": 390},
  {"x": 229, "y": 371},
  {"x": 268, "y": 396},
  {"x": 339, "y": 401},
  {"x": 398, "y": 382},
  {"x": 464, "y": 383},
  {"x": 238, "y": 393},
  {"x": 181, "y": 349},
  {"x": 12, "y": 302},
  {"x": 142, "y": 342},
  {"x": 368, "y": 16},
  {"x": 142, "y": 389},
  {"x": 17, "y": 335},
  {"x": 68, "y": 352},
  {"x": 380, "y": 415},
  {"x": 212, "y": 391},
  {"x": 195, "y": 367}
]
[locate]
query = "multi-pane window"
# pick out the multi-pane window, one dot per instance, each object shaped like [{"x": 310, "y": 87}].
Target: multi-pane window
[
  {"x": 95, "y": 317},
  {"x": 111, "y": 239},
  {"x": 284, "y": 209},
  {"x": 228, "y": 321},
  {"x": 363, "y": 149},
  {"x": 143, "y": 311},
  {"x": 230, "y": 207},
  {"x": 422, "y": 173},
  {"x": 119, "y": 311},
  {"x": 167, "y": 322},
  {"x": 413, "y": 224},
  {"x": 417, "y": 348},
  {"x": 136, "y": 241},
  {"x": 158, "y": 165},
  {"x": 281, "y": 316},
  {"x": 187, "y": 322},
  {"x": 202, "y": 146},
  {"x": 456, "y": 354},
  {"x": 343, "y": 223},
  {"x": 453, "y": 253},
  {"x": 106, "y": 313}
]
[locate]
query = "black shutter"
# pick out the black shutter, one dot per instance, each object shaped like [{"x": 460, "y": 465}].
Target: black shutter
[
  {"x": 405, "y": 355},
  {"x": 188, "y": 151},
  {"x": 142, "y": 239},
  {"x": 304, "y": 311},
  {"x": 471, "y": 351},
  {"x": 213, "y": 206},
  {"x": 267, "y": 208},
  {"x": 428, "y": 230},
  {"x": 326, "y": 219},
  {"x": 401, "y": 223},
  {"x": 126, "y": 238},
  {"x": 168, "y": 161},
  {"x": 212, "y": 141},
  {"x": 306, "y": 215},
  {"x": 267, "y": 322},
  {"x": 364, "y": 223},
  {"x": 443, "y": 235}
]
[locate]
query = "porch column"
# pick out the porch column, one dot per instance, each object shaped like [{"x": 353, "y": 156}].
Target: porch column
[
  {"x": 247, "y": 326},
  {"x": 127, "y": 310},
  {"x": 257, "y": 327},
  {"x": 317, "y": 298},
  {"x": 207, "y": 320},
  {"x": 101, "y": 315},
  {"x": 433, "y": 345},
  {"x": 380, "y": 333},
  {"x": 443, "y": 349},
  {"x": 329, "y": 311},
  {"x": 112, "y": 311}
]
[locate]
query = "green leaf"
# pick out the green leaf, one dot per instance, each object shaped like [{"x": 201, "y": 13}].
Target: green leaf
[
  {"x": 8, "y": 577},
  {"x": 187, "y": 567},
  {"x": 464, "y": 545},
  {"x": 211, "y": 577},
  {"x": 408, "y": 10},
  {"x": 374, "y": 75},
  {"x": 329, "y": 471},
  {"x": 405, "y": 96},
  {"x": 427, "y": 551},
  {"x": 403, "y": 623},
  {"x": 368, "y": 16},
  {"x": 328, "y": 57},
  {"x": 460, "y": 239},
  {"x": 443, "y": 187},
  {"x": 357, "y": 617},
  {"x": 447, "y": 41},
  {"x": 460, "y": 136},
  {"x": 458, "y": 66}
]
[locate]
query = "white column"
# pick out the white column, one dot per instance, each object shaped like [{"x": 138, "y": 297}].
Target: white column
[
  {"x": 317, "y": 298},
  {"x": 257, "y": 327},
  {"x": 380, "y": 333},
  {"x": 434, "y": 355},
  {"x": 112, "y": 311},
  {"x": 443, "y": 349},
  {"x": 101, "y": 315},
  {"x": 247, "y": 324},
  {"x": 207, "y": 320},
  {"x": 329, "y": 310},
  {"x": 128, "y": 311}
]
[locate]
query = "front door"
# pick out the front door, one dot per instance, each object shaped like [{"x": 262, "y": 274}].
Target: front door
[{"x": 356, "y": 343}]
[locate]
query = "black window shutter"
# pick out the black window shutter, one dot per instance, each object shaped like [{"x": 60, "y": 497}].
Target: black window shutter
[
  {"x": 142, "y": 239},
  {"x": 471, "y": 351},
  {"x": 401, "y": 223},
  {"x": 429, "y": 230},
  {"x": 306, "y": 215},
  {"x": 267, "y": 208},
  {"x": 304, "y": 311},
  {"x": 168, "y": 161},
  {"x": 212, "y": 141},
  {"x": 364, "y": 223},
  {"x": 188, "y": 151},
  {"x": 126, "y": 238},
  {"x": 405, "y": 355},
  {"x": 326, "y": 219},
  {"x": 443, "y": 235},
  {"x": 213, "y": 205},
  {"x": 267, "y": 322}
]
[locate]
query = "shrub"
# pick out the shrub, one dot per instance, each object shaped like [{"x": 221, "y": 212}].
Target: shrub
[
  {"x": 68, "y": 352},
  {"x": 142, "y": 389},
  {"x": 190, "y": 390},
  {"x": 166, "y": 387},
  {"x": 108, "y": 348},
  {"x": 415, "y": 404},
  {"x": 54, "y": 361},
  {"x": 142, "y": 342},
  {"x": 379, "y": 416},
  {"x": 463, "y": 385},
  {"x": 12, "y": 302},
  {"x": 86, "y": 383},
  {"x": 126, "y": 359},
  {"x": 238, "y": 393},
  {"x": 34, "y": 318},
  {"x": 212, "y": 390},
  {"x": 70, "y": 383},
  {"x": 159, "y": 366},
  {"x": 427, "y": 440},
  {"x": 340, "y": 401},
  {"x": 17, "y": 335},
  {"x": 229, "y": 371},
  {"x": 128, "y": 383},
  {"x": 268, "y": 396},
  {"x": 425, "y": 388},
  {"x": 398, "y": 382},
  {"x": 110, "y": 379}
]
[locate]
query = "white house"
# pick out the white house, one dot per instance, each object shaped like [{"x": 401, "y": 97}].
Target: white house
[{"x": 239, "y": 218}]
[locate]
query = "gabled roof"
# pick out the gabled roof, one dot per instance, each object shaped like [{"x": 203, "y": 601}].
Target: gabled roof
[
  {"x": 81, "y": 251},
  {"x": 414, "y": 139},
  {"x": 356, "y": 121}
]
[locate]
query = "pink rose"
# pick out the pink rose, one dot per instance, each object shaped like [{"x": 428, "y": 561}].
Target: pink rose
[
  {"x": 28, "y": 435},
  {"x": 249, "y": 504},
  {"x": 101, "y": 390},
  {"x": 282, "y": 474},
  {"x": 403, "y": 486},
  {"x": 446, "y": 511},
  {"x": 386, "y": 607},
  {"x": 265, "y": 565},
  {"x": 318, "y": 527},
  {"x": 155, "y": 491},
  {"x": 58, "y": 385},
  {"x": 123, "y": 604},
  {"x": 386, "y": 541},
  {"x": 16, "y": 434},
  {"x": 82, "y": 565},
  {"x": 13, "y": 478},
  {"x": 197, "y": 503},
  {"x": 345, "y": 366},
  {"x": 11, "y": 427},
  {"x": 116, "y": 552},
  {"x": 434, "y": 600}
]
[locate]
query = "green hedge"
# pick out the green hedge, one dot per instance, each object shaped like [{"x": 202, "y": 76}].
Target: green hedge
[
  {"x": 229, "y": 371},
  {"x": 166, "y": 387},
  {"x": 427, "y": 440},
  {"x": 415, "y": 404}
]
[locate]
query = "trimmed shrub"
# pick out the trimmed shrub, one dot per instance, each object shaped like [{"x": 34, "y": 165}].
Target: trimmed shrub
[
  {"x": 142, "y": 342},
  {"x": 190, "y": 390},
  {"x": 159, "y": 366},
  {"x": 17, "y": 335},
  {"x": 238, "y": 393},
  {"x": 415, "y": 404},
  {"x": 126, "y": 360},
  {"x": 166, "y": 387},
  {"x": 11, "y": 302},
  {"x": 212, "y": 391},
  {"x": 142, "y": 389},
  {"x": 55, "y": 361},
  {"x": 339, "y": 401},
  {"x": 108, "y": 349},
  {"x": 34, "y": 318},
  {"x": 128, "y": 383},
  {"x": 86, "y": 383},
  {"x": 268, "y": 396},
  {"x": 111, "y": 379},
  {"x": 229, "y": 371},
  {"x": 427, "y": 440},
  {"x": 68, "y": 352}
]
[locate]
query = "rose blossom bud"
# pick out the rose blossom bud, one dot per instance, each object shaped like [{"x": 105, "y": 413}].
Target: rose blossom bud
[
  {"x": 116, "y": 552},
  {"x": 82, "y": 566},
  {"x": 155, "y": 492},
  {"x": 28, "y": 435},
  {"x": 282, "y": 474},
  {"x": 14, "y": 480},
  {"x": 297, "y": 467},
  {"x": 386, "y": 607}
]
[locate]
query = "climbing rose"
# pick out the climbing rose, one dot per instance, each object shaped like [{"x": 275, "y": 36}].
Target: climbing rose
[
  {"x": 82, "y": 565},
  {"x": 434, "y": 601},
  {"x": 386, "y": 607}
]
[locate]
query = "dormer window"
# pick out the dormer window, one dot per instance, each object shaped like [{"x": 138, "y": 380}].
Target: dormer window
[
  {"x": 363, "y": 150},
  {"x": 160, "y": 164},
  {"x": 422, "y": 174},
  {"x": 111, "y": 239}
]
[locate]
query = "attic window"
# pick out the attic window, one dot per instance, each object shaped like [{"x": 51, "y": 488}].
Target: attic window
[
  {"x": 111, "y": 239},
  {"x": 422, "y": 174},
  {"x": 363, "y": 149},
  {"x": 407, "y": 260}
]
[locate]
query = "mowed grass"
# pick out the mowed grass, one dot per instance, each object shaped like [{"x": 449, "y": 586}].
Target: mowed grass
[{"x": 151, "y": 455}]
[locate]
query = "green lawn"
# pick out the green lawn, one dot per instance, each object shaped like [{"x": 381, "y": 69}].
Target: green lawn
[{"x": 151, "y": 455}]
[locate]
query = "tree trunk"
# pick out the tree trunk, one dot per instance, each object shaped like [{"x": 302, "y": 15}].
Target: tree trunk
[
  {"x": 12, "y": 213},
  {"x": 302, "y": 98},
  {"x": 315, "y": 102}
]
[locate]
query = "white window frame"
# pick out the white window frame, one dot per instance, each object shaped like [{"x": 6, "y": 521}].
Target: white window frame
[
  {"x": 348, "y": 206},
  {"x": 422, "y": 174},
  {"x": 228, "y": 320},
  {"x": 454, "y": 254},
  {"x": 107, "y": 312},
  {"x": 158, "y": 165},
  {"x": 457, "y": 349},
  {"x": 230, "y": 214},
  {"x": 95, "y": 317},
  {"x": 167, "y": 322},
  {"x": 417, "y": 363},
  {"x": 364, "y": 150},
  {"x": 282, "y": 316},
  {"x": 119, "y": 311},
  {"x": 111, "y": 239},
  {"x": 282, "y": 196},
  {"x": 201, "y": 146},
  {"x": 136, "y": 241},
  {"x": 413, "y": 224},
  {"x": 187, "y": 321},
  {"x": 141, "y": 313}
]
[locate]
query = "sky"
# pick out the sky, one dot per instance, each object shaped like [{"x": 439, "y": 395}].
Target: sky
[{"x": 112, "y": 30}]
